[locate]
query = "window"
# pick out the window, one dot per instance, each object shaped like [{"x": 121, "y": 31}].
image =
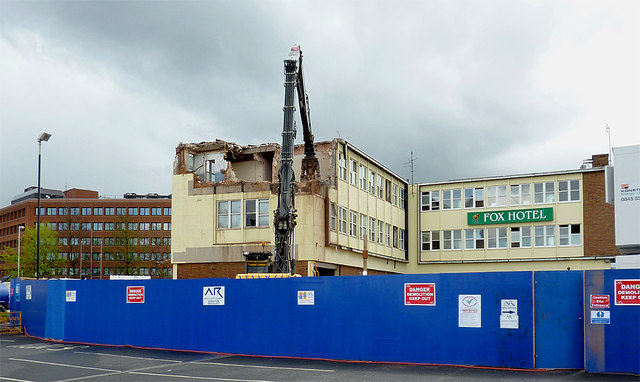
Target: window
[
  {"x": 74, "y": 226},
  {"x": 353, "y": 172},
  {"x": 133, "y": 211},
  {"x": 387, "y": 188},
  {"x": 496, "y": 238},
  {"x": 363, "y": 177},
  {"x": 144, "y": 211},
  {"x": 85, "y": 211},
  {"x": 42, "y": 210},
  {"x": 156, "y": 241},
  {"x": 403, "y": 197},
  {"x": 452, "y": 239},
  {"x": 380, "y": 232},
  {"x": 342, "y": 220},
  {"x": 520, "y": 237},
  {"x": 496, "y": 196},
  {"x": 229, "y": 214},
  {"x": 108, "y": 241},
  {"x": 544, "y": 193},
  {"x": 474, "y": 197},
  {"x": 74, "y": 211},
  {"x": 363, "y": 226},
  {"x": 86, "y": 226},
  {"x": 108, "y": 226},
  {"x": 62, "y": 211},
  {"x": 342, "y": 166},
  {"x": 520, "y": 194},
  {"x": 387, "y": 234},
  {"x": 353, "y": 224},
  {"x": 108, "y": 211},
  {"x": 569, "y": 233},
  {"x": 121, "y": 211},
  {"x": 120, "y": 226},
  {"x": 63, "y": 226},
  {"x": 430, "y": 240},
  {"x": 209, "y": 170},
  {"x": 395, "y": 194},
  {"x": 73, "y": 256},
  {"x": 372, "y": 230},
  {"x": 256, "y": 213},
  {"x": 545, "y": 236},
  {"x": 156, "y": 226},
  {"x": 166, "y": 211},
  {"x": 97, "y": 226},
  {"x": 144, "y": 256},
  {"x": 401, "y": 241},
  {"x": 142, "y": 226},
  {"x": 133, "y": 226},
  {"x": 425, "y": 201},
  {"x": 63, "y": 241},
  {"x": 191, "y": 162},
  {"x": 568, "y": 191},
  {"x": 51, "y": 211},
  {"x": 166, "y": 226},
  {"x": 97, "y": 241},
  {"x": 474, "y": 238},
  {"x": 451, "y": 199},
  {"x": 332, "y": 216},
  {"x": 372, "y": 182},
  {"x": 379, "y": 186},
  {"x": 156, "y": 211},
  {"x": 166, "y": 241}
]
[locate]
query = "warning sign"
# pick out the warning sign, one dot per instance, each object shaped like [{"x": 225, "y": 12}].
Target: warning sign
[
  {"x": 135, "y": 295},
  {"x": 420, "y": 294},
  {"x": 627, "y": 292},
  {"x": 599, "y": 301}
]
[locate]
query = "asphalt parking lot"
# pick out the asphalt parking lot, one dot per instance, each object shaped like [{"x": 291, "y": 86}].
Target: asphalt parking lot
[{"x": 24, "y": 358}]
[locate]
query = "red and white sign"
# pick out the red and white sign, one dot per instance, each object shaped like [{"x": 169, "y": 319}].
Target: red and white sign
[
  {"x": 627, "y": 292},
  {"x": 420, "y": 294},
  {"x": 600, "y": 301},
  {"x": 135, "y": 295}
]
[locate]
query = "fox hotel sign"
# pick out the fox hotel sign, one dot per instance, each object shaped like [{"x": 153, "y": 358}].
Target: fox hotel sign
[{"x": 510, "y": 216}]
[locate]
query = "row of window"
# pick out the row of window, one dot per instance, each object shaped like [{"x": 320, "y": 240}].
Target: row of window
[
  {"x": 371, "y": 182},
  {"x": 346, "y": 222},
  {"x": 110, "y": 256},
  {"x": 109, "y": 226},
  {"x": 499, "y": 238},
  {"x": 501, "y": 195},
  {"x": 256, "y": 213},
  {"x": 106, "y": 211},
  {"x": 108, "y": 271},
  {"x": 97, "y": 241}
]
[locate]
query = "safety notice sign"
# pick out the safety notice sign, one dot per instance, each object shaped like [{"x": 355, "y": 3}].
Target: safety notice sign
[
  {"x": 135, "y": 295},
  {"x": 600, "y": 317},
  {"x": 469, "y": 310},
  {"x": 599, "y": 301},
  {"x": 420, "y": 294},
  {"x": 627, "y": 292},
  {"x": 70, "y": 296}
]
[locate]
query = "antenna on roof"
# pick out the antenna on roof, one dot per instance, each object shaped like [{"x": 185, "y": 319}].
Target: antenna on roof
[
  {"x": 609, "y": 133},
  {"x": 411, "y": 164}
]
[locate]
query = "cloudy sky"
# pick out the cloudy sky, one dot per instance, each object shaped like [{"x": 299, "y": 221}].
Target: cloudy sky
[{"x": 472, "y": 88}]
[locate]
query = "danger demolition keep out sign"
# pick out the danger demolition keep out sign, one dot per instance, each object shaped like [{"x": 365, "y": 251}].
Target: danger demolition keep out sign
[
  {"x": 135, "y": 295},
  {"x": 420, "y": 294},
  {"x": 627, "y": 292}
]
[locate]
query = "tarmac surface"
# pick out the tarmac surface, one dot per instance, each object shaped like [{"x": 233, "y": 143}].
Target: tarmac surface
[{"x": 24, "y": 358}]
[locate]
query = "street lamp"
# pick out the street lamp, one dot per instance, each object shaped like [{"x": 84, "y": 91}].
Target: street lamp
[
  {"x": 43, "y": 137},
  {"x": 20, "y": 228}
]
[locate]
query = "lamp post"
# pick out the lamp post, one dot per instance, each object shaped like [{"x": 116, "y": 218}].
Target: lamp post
[
  {"x": 20, "y": 228},
  {"x": 43, "y": 137}
]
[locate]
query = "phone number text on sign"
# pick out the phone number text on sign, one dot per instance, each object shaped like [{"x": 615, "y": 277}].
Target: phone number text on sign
[{"x": 423, "y": 294}]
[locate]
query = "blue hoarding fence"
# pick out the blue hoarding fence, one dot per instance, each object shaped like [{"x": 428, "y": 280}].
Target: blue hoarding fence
[{"x": 500, "y": 319}]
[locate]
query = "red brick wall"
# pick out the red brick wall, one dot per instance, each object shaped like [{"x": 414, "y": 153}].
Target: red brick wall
[
  {"x": 599, "y": 218},
  {"x": 207, "y": 270}
]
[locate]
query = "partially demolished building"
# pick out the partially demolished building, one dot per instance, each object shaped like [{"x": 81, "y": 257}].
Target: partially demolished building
[{"x": 224, "y": 195}]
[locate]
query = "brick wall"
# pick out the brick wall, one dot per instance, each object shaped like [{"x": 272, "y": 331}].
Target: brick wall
[
  {"x": 209, "y": 270},
  {"x": 599, "y": 218}
]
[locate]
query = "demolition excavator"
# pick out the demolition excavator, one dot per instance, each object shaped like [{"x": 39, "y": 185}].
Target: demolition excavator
[{"x": 258, "y": 264}]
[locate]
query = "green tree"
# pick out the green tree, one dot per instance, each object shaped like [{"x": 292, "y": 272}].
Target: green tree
[
  {"x": 49, "y": 258},
  {"x": 126, "y": 236}
]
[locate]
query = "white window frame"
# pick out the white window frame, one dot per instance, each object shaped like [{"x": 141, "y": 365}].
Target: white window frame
[
  {"x": 261, "y": 214},
  {"x": 474, "y": 238},
  {"x": 333, "y": 217},
  {"x": 387, "y": 234},
  {"x": 353, "y": 224},
  {"x": 476, "y": 199},
  {"x": 518, "y": 235},
  {"x": 232, "y": 218},
  {"x": 451, "y": 239},
  {"x": 401, "y": 239},
  {"x": 342, "y": 220},
  {"x": 372, "y": 182},
  {"x": 394, "y": 189},
  {"x": 342, "y": 166},
  {"x": 363, "y": 177},
  {"x": 499, "y": 236},
  {"x": 497, "y": 196},
  {"x": 372, "y": 230},
  {"x": 451, "y": 201},
  {"x": 380, "y": 232},
  {"x": 567, "y": 235},
  {"x": 353, "y": 172},
  {"x": 428, "y": 239},
  {"x": 571, "y": 193},
  {"x": 363, "y": 226},
  {"x": 544, "y": 195},
  {"x": 520, "y": 194},
  {"x": 547, "y": 233},
  {"x": 379, "y": 186}
]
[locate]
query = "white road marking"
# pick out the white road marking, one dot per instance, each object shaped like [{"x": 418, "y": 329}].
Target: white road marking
[
  {"x": 127, "y": 356},
  {"x": 13, "y": 379},
  {"x": 195, "y": 377},
  {"x": 62, "y": 364},
  {"x": 263, "y": 367}
]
